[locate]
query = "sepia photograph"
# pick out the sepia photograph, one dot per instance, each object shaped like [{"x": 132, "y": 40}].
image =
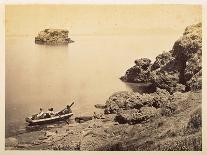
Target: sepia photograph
[{"x": 103, "y": 77}]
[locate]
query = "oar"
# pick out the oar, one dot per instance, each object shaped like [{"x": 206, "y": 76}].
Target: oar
[
  {"x": 65, "y": 119},
  {"x": 71, "y": 105}
]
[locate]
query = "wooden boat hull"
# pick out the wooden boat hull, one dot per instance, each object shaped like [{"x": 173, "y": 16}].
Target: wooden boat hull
[{"x": 48, "y": 120}]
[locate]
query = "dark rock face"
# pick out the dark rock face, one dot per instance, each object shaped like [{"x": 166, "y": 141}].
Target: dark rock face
[
  {"x": 176, "y": 70},
  {"x": 53, "y": 37},
  {"x": 195, "y": 83},
  {"x": 188, "y": 51},
  {"x": 138, "y": 73}
]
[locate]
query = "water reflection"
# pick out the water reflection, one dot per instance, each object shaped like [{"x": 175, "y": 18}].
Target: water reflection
[{"x": 141, "y": 87}]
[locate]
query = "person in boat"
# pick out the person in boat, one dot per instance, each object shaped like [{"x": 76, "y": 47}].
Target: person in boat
[
  {"x": 39, "y": 115},
  {"x": 67, "y": 110},
  {"x": 50, "y": 113}
]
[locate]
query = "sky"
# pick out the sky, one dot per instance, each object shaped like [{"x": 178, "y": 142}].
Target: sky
[{"x": 101, "y": 19}]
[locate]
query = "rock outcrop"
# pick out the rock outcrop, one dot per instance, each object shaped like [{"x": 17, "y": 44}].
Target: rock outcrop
[
  {"x": 176, "y": 70},
  {"x": 130, "y": 100},
  {"x": 188, "y": 52},
  {"x": 53, "y": 37},
  {"x": 140, "y": 73},
  {"x": 134, "y": 108}
]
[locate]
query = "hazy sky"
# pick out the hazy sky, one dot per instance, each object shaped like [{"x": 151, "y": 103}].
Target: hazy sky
[{"x": 101, "y": 19}]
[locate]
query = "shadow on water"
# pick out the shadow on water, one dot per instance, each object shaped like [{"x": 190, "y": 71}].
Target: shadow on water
[
  {"x": 141, "y": 87},
  {"x": 33, "y": 128}
]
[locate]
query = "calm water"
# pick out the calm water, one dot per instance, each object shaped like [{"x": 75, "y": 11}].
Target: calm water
[{"x": 86, "y": 71}]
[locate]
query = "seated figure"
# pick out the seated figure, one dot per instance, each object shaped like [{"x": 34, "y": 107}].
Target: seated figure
[
  {"x": 67, "y": 110},
  {"x": 40, "y": 115},
  {"x": 50, "y": 113}
]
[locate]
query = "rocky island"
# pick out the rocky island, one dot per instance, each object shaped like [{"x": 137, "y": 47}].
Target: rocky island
[
  {"x": 53, "y": 37},
  {"x": 168, "y": 119}
]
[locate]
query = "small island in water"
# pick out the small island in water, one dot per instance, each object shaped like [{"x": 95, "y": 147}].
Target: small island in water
[{"x": 53, "y": 37}]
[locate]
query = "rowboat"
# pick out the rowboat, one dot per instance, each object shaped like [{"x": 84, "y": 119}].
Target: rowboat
[{"x": 48, "y": 120}]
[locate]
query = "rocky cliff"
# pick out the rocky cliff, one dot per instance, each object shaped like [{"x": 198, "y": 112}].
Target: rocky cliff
[
  {"x": 176, "y": 70},
  {"x": 53, "y": 37}
]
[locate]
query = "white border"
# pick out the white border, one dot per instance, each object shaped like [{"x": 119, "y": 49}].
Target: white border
[
  {"x": 2, "y": 70},
  {"x": 104, "y": 1}
]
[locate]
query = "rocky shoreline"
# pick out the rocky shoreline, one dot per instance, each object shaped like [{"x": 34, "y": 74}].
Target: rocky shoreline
[
  {"x": 173, "y": 127},
  {"x": 167, "y": 119}
]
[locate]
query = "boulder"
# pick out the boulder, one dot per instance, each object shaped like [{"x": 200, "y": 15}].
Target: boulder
[
  {"x": 82, "y": 119},
  {"x": 130, "y": 100},
  {"x": 120, "y": 100}
]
